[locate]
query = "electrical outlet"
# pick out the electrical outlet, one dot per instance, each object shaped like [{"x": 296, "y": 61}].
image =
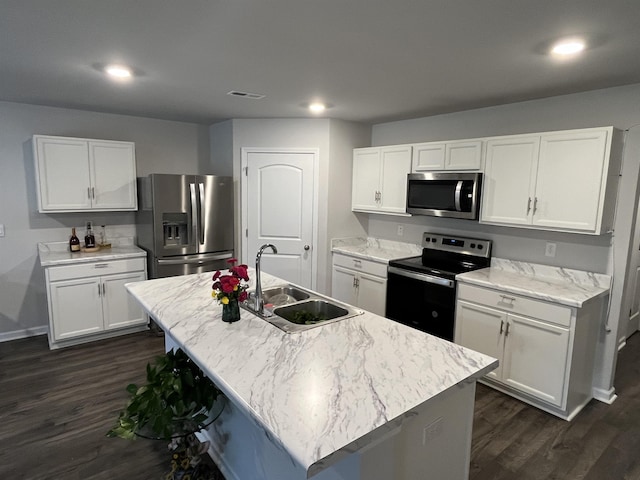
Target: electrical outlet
[
  {"x": 89, "y": 225},
  {"x": 431, "y": 431},
  {"x": 400, "y": 230},
  {"x": 550, "y": 250}
]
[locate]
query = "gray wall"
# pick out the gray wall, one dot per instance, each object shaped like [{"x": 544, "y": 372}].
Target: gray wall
[
  {"x": 618, "y": 107},
  {"x": 161, "y": 146}
]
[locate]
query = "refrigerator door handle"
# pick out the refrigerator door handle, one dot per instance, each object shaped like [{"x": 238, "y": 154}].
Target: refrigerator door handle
[
  {"x": 201, "y": 222},
  {"x": 194, "y": 210},
  {"x": 192, "y": 261}
]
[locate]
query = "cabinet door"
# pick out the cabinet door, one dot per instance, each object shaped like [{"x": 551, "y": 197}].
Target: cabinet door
[
  {"x": 62, "y": 171},
  {"x": 481, "y": 329},
  {"x": 465, "y": 155},
  {"x": 509, "y": 180},
  {"x": 113, "y": 175},
  {"x": 343, "y": 285},
  {"x": 569, "y": 187},
  {"x": 372, "y": 293},
  {"x": 427, "y": 157},
  {"x": 396, "y": 165},
  {"x": 119, "y": 308},
  {"x": 535, "y": 358},
  {"x": 366, "y": 179},
  {"x": 76, "y": 307}
]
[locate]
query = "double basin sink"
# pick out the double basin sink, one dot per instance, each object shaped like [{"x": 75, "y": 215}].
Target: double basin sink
[{"x": 293, "y": 309}]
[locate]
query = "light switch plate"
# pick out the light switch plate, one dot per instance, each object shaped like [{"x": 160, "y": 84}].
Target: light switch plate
[
  {"x": 1, "y": 229},
  {"x": 400, "y": 230}
]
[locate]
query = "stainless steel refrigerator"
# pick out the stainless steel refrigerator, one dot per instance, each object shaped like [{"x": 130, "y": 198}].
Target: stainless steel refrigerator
[{"x": 185, "y": 223}]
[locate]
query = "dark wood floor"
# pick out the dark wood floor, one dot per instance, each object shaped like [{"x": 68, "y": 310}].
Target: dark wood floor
[{"x": 56, "y": 406}]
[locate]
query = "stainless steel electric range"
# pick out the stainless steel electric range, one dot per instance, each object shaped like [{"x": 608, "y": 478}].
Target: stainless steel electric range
[{"x": 421, "y": 291}]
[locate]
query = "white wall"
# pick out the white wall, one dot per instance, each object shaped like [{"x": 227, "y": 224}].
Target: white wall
[
  {"x": 615, "y": 106},
  {"x": 161, "y": 147}
]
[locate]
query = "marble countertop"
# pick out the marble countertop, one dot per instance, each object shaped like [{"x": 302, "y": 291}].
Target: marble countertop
[
  {"x": 318, "y": 394},
  {"x": 377, "y": 250},
  {"x": 554, "y": 284},
  {"x": 57, "y": 253}
]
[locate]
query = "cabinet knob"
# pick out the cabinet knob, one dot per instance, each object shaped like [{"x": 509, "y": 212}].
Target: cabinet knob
[{"x": 307, "y": 247}]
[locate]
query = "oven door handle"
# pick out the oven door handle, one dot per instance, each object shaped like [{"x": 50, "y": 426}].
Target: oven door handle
[{"x": 422, "y": 277}]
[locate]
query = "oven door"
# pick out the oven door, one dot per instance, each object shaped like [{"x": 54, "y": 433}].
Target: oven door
[{"x": 421, "y": 301}]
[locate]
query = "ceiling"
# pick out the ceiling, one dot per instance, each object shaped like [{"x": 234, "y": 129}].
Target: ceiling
[{"x": 372, "y": 60}]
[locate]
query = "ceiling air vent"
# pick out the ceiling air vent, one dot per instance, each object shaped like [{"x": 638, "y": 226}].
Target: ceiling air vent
[{"x": 253, "y": 96}]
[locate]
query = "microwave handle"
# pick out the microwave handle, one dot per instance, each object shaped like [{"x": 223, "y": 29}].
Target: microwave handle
[{"x": 458, "y": 195}]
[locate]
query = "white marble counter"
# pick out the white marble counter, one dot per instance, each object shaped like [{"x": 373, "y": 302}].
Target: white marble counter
[
  {"x": 57, "y": 253},
  {"x": 318, "y": 395},
  {"x": 559, "y": 285},
  {"x": 377, "y": 250}
]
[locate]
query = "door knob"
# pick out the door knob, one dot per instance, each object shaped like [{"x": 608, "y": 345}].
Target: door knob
[{"x": 307, "y": 247}]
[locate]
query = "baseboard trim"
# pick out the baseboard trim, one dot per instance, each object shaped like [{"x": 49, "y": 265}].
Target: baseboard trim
[
  {"x": 605, "y": 396},
  {"x": 25, "y": 333}
]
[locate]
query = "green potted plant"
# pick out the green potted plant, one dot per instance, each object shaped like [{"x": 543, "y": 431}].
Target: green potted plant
[{"x": 176, "y": 402}]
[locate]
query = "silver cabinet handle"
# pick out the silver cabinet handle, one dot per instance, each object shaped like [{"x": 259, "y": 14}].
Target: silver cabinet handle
[
  {"x": 89, "y": 192},
  {"x": 306, "y": 247},
  {"x": 93, "y": 192},
  {"x": 535, "y": 205},
  {"x": 501, "y": 326},
  {"x": 506, "y": 332},
  {"x": 357, "y": 263},
  {"x": 528, "y": 205},
  {"x": 507, "y": 300},
  {"x": 99, "y": 294},
  {"x": 101, "y": 265}
]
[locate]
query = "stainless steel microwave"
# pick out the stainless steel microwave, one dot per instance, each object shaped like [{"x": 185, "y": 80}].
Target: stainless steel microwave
[{"x": 455, "y": 195}]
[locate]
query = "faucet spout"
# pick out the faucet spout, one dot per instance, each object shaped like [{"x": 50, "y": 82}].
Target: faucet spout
[{"x": 259, "y": 303}]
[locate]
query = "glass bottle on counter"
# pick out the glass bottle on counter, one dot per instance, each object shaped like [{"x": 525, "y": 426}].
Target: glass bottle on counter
[
  {"x": 74, "y": 241},
  {"x": 89, "y": 239}
]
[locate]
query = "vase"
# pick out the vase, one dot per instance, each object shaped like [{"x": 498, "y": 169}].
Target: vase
[{"x": 231, "y": 312}]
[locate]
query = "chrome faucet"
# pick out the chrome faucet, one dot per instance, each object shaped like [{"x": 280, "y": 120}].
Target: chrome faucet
[{"x": 259, "y": 303}]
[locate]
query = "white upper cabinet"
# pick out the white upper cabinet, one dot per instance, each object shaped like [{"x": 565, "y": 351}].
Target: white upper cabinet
[
  {"x": 79, "y": 175},
  {"x": 454, "y": 155},
  {"x": 565, "y": 181},
  {"x": 380, "y": 179}
]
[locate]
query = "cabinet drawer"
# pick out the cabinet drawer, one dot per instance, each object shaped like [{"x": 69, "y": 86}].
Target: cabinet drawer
[
  {"x": 509, "y": 302},
  {"x": 95, "y": 269},
  {"x": 360, "y": 265}
]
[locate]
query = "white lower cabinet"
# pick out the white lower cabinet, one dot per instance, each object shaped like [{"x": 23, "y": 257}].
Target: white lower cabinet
[
  {"x": 358, "y": 282},
  {"x": 89, "y": 302},
  {"x": 546, "y": 351}
]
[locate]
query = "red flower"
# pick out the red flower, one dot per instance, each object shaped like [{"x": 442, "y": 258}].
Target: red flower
[
  {"x": 240, "y": 271},
  {"x": 216, "y": 275},
  {"x": 243, "y": 296},
  {"x": 232, "y": 261},
  {"x": 229, "y": 283}
]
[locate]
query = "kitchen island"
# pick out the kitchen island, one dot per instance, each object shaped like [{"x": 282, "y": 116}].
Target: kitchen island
[{"x": 361, "y": 398}]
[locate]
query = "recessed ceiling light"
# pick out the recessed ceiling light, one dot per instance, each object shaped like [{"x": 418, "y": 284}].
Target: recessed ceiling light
[
  {"x": 568, "y": 47},
  {"x": 118, "y": 71},
  {"x": 317, "y": 107}
]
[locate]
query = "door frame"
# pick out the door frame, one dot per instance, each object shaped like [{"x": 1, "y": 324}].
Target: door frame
[{"x": 244, "y": 163}]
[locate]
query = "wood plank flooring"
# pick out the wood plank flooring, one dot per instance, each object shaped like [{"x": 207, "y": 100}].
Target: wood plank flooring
[{"x": 56, "y": 406}]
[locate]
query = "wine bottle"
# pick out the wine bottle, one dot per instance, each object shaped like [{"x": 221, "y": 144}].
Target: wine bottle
[
  {"x": 74, "y": 241},
  {"x": 89, "y": 239}
]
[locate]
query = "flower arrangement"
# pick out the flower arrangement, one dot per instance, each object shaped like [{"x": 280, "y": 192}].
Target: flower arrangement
[{"x": 230, "y": 287}]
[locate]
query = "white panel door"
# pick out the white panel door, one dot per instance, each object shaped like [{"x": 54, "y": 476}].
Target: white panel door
[
  {"x": 427, "y": 157},
  {"x": 372, "y": 293},
  {"x": 481, "y": 329},
  {"x": 569, "y": 180},
  {"x": 535, "y": 358},
  {"x": 63, "y": 174},
  {"x": 343, "y": 285},
  {"x": 509, "y": 180},
  {"x": 76, "y": 307},
  {"x": 120, "y": 309},
  {"x": 396, "y": 165},
  {"x": 366, "y": 179},
  {"x": 113, "y": 175},
  {"x": 280, "y": 203}
]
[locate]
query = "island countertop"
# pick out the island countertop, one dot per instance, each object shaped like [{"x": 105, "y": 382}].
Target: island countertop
[{"x": 318, "y": 394}]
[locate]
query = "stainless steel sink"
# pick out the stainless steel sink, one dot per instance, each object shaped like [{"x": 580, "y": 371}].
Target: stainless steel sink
[
  {"x": 283, "y": 295},
  {"x": 293, "y": 309}
]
